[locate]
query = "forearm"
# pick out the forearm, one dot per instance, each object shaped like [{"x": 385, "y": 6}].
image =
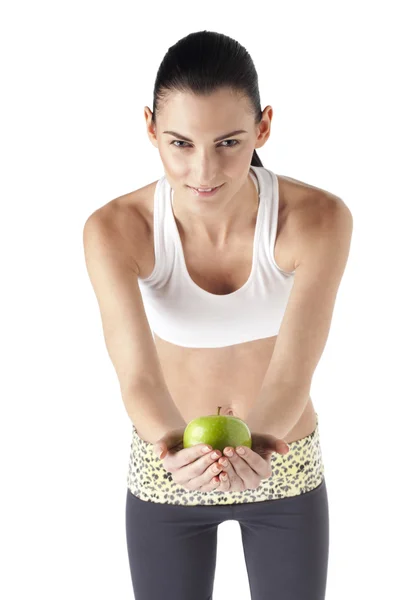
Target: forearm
[
  {"x": 152, "y": 411},
  {"x": 277, "y": 409}
]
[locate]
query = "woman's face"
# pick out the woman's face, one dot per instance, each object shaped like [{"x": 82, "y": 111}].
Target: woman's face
[{"x": 211, "y": 157}]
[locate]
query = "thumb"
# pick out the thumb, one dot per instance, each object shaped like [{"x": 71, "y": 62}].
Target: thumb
[
  {"x": 172, "y": 438},
  {"x": 281, "y": 446},
  {"x": 274, "y": 444},
  {"x": 159, "y": 449}
]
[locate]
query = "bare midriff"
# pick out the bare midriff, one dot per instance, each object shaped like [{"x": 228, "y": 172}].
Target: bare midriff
[{"x": 201, "y": 379}]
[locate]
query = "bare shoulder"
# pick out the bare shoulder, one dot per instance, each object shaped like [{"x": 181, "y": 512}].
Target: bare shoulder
[
  {"x": 135, "y": 204},
  {"x": 305, "y": 202},
  {"x": 126, "y": 222},
  {"x": 310, "y": 209}
]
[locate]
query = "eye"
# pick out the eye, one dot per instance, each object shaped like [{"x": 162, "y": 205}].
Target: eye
[
  {"x": 231, "y": 146},
  {"x": 235, "y": 144}
]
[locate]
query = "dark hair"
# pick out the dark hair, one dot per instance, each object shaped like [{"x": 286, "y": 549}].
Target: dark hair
[{"x": 203, "y": 62}]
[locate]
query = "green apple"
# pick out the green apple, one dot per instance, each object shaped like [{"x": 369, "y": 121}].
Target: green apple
[{"x": 219, "y": 431}]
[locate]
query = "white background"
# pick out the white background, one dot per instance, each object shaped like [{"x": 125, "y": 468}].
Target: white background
[{"x": 76, "y": 77}]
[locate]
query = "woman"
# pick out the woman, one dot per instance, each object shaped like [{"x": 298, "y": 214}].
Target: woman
[{"x": 237, "y": 287}]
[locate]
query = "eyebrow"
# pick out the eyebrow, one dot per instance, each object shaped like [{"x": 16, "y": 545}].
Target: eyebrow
[{"x": 218, "y": 139}]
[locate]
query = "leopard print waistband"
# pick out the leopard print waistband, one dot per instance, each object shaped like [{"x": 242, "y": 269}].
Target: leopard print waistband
[{"x": 297, "y": 472}]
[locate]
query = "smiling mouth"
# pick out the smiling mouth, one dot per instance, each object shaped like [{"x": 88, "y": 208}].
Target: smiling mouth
[{"x": 205, "y": 189}]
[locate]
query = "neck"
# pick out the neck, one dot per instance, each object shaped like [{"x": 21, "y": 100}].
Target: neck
[{"x": 217, "y": 222}]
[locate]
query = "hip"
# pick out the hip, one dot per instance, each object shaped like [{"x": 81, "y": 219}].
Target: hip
[{"x": 297, "y": 472}]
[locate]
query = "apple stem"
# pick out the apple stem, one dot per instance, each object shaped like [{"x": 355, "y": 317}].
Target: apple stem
[{"x": 219, "y": 408}]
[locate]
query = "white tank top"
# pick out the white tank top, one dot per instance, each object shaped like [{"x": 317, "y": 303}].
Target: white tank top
[{"x": 181, "y": 312}]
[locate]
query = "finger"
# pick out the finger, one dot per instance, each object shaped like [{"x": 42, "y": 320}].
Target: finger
[
  {"x": 199, "y": 471},
  {"x": 284, "y": 447},
  {"x": 272, "y": 442},
  {"x": 224, "y": 482},
  {"x": 208, "y": 475},
  {"x": 236, "y": 482},
  {"x": 211, "y": 485},
  {"x": 263, "y": 443},
  {"x": 213, "y": 471},
  {"x": 232, "y": 483},
  {"x": 257, "y": 463},
  {"x": 173, "y": 440},
  {"x": 239, "y": 468},
  {"x": 186, "y": 456}
]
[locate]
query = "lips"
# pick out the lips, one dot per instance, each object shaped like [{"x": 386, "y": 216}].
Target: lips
[{"x": 200, "y": 189}]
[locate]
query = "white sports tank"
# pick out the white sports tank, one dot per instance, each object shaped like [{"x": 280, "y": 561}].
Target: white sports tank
[{"x": 181, "y": 312}]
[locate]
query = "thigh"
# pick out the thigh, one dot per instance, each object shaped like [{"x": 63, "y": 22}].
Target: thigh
[
  {"x": 286, "y": 546},
  {"x": 172, "y": 550}
]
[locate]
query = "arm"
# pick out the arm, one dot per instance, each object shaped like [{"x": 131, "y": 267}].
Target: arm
[
  {"x": 152, "y": 411},
  {"x": 323, "y": 249},
  {"x": 113, "y": 273}
]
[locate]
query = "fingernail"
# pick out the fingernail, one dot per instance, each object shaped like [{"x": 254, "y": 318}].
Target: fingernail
[{"x": 240, "y": 450}]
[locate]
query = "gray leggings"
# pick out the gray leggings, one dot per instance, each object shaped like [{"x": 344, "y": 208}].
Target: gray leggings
[{"x": 172, "y": 549}]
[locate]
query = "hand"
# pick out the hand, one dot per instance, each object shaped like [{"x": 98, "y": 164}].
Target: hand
[
  {"x": 191, "y": 468},
  {"x": 245, "y": 472}
]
